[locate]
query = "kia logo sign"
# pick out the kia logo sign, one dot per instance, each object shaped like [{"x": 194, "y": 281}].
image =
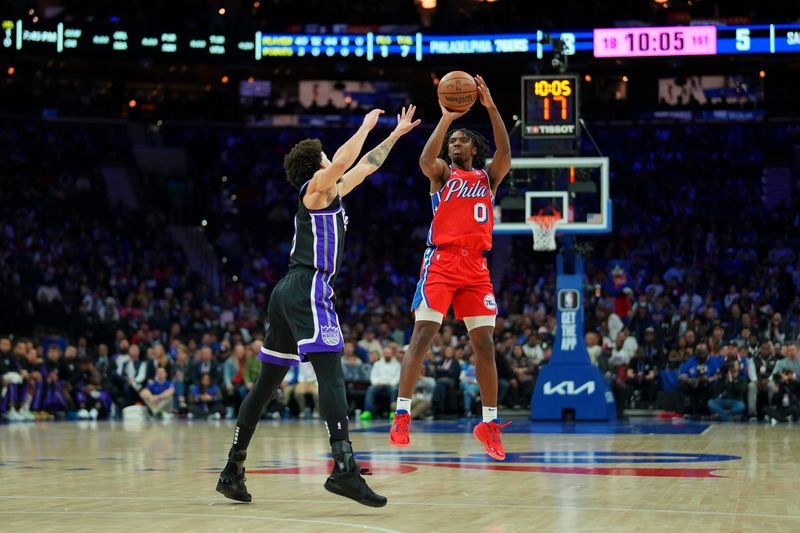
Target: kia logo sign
[{"x": 568, "y": 388}]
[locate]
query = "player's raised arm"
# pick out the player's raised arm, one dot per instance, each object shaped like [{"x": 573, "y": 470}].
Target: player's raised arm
[
  {"x": 501, "y": 161},
  {"x": 430, "y": 163},
  {"x": 375, "y": 158},
  {"x": 324, "y": 180}
]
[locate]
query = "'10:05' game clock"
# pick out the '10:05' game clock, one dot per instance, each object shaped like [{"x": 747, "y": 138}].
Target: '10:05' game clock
[{"x": 550, "y": 107}]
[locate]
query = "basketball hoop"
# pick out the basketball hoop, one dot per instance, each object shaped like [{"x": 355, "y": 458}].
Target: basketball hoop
[{"x": 544, "y": 229}]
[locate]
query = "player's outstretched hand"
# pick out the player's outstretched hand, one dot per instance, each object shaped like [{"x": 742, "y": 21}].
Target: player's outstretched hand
[
  {"x": 371, "y": 118},
  {"x": 405, "y": 120},
  {"x": 483, "y": 92},
  {"x": 451, "y": 115}
]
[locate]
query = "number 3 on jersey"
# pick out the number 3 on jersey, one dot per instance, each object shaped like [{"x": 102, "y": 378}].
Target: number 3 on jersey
[{"x": 481, "y": 213}]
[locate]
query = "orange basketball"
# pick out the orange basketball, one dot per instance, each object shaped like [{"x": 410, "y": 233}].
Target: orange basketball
[{"x": 457, "y": 91}]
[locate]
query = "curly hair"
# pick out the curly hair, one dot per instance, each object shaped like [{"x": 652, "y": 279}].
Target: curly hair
[
  {"x": 302, "y": 161},
  {"x": 480, "y": 142}
]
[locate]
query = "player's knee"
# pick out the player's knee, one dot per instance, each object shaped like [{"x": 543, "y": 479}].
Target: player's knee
[
  {"x": 422, "y": 338},
  {"x": 482, "y": 342}
]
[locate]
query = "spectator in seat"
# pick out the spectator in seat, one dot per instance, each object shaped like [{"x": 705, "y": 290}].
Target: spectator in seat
[
  {"x": 543, "y": 336},
  {"x": 57, "y": 395},
  {"x": 307, "y": 384},
  {"x": 759, "y": 373},
  {"x": 734, "y": 324},
  {"x": 696, "y": 379},
  {"x": 232, "y": 379},
  {"x": 136, "y": 374},
  {"x": 206, "y": 399},
  {"x": 533, "y": 349},
  {"x": 593, "y": 347},
  {"x": 206, "y": 365},
  {"x": 384, "y": 378},
  {"x": 369, "y": 342},
  {"x": 653, "y": 350},
  {"x": 641, "y": 319},
  {"x": 252, "y": 368},
  {"x": 34, "y": 383},
  {"x": 158, "y": 395},
  {"x": 790, "y": 362},
  {"x": 786, "y": 399},
  {"x": 774, "y": 330},
  {"x": 730, "y": 352},
  {"x": 422, "y": 401},
  {"x": 285, "y": 392},
  {"x": 624, "y": 348},
  {"x": 524, "y": 378},
  {"x": 504, "y": 377},
  {"x": 468, "y": 384},
  {"x": 182, "y": 371},
  {"x": 641, "y": 381},
  {"x": 618, "y": 388},
  {"x": 157, "y": 358},
  {"x": 91, "y": 397},
  {"x": 731, "y": 389},
  {"x": 356, "y": 380},
  {"x": 448, "y": 371}
]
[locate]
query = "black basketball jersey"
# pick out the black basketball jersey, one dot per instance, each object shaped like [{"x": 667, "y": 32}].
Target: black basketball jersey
[{"x": 319, "y": 237}]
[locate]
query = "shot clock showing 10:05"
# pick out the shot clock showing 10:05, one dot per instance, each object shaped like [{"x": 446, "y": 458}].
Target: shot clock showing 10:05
[{"x": 550, "y": 106}]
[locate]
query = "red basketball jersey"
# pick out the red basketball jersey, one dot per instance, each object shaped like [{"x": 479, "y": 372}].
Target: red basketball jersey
[{"x": 463, "y": 212}]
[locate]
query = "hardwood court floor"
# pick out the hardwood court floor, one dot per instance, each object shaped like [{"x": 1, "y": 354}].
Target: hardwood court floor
[{"x": 160, "y": 476}]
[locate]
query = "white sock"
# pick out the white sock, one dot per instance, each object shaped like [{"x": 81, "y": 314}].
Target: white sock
[
  {"x": 489, "y": 413},
  {"x": 403, "y": 404}
]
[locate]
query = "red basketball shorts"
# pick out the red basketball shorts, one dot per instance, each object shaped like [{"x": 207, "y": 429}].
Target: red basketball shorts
[{"x": 457, "y": 276}]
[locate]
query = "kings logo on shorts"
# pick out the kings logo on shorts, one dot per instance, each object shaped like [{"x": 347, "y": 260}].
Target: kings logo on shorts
[
  {"x": 489, "y": 303},
  {"x": 330, "y": 335}
]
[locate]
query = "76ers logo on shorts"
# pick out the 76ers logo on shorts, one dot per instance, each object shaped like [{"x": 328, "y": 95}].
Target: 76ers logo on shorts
[
  {"x": 330, "y": 335},
  {"x": 489, "y": 303}
]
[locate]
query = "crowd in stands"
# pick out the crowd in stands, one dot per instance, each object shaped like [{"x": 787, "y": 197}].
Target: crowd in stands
[{"x": 694, "y": 294}]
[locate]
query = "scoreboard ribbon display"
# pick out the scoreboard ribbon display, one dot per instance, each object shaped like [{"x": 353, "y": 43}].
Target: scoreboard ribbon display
[{"x": 76, "y": 39}]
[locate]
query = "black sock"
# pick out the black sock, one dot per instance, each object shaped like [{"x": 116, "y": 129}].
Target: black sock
[
  {"x": 337, "y": 429},
  {"x": 242, "y": 436},
  {"x": 250, "y": 412}
]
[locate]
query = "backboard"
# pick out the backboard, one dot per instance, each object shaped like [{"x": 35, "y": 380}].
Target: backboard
[{"x": 578, "y": 187}]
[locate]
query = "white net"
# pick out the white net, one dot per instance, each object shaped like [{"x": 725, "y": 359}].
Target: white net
[{"x": 544, "y": 232}]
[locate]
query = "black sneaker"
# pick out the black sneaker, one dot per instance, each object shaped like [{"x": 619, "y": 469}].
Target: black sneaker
[
  {"x": 346, "y": 479},
  {"x": 231, "y": 480},
  {"x": 231, "y": 485},
  {"x": 352, "y": 485}
]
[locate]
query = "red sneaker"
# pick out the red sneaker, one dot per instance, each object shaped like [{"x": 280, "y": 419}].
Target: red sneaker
[
  {"x": 398, "y": 436},
  {"x": 489, "y": 435}
]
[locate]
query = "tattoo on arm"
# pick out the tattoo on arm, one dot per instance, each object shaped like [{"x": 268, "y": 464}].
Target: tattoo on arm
[{"x": 377, "y": 156}]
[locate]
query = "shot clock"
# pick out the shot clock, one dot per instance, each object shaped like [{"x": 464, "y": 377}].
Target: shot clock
[
  {"x": 654, "y": 42},
  {"x": 550, "y": 107}
]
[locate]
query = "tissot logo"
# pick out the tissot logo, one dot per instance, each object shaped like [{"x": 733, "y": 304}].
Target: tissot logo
[{"x": 568, "y": 388}]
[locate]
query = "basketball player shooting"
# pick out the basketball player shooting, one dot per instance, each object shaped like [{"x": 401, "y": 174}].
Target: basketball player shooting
[
  {"x": 303, "y": 325},
  {"x": 454, "y": 270}
]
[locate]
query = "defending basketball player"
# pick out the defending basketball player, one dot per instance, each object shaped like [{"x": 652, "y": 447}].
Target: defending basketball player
[
  {"x": 303, "y": 325},
  {"x": 454, "y": 270}
]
